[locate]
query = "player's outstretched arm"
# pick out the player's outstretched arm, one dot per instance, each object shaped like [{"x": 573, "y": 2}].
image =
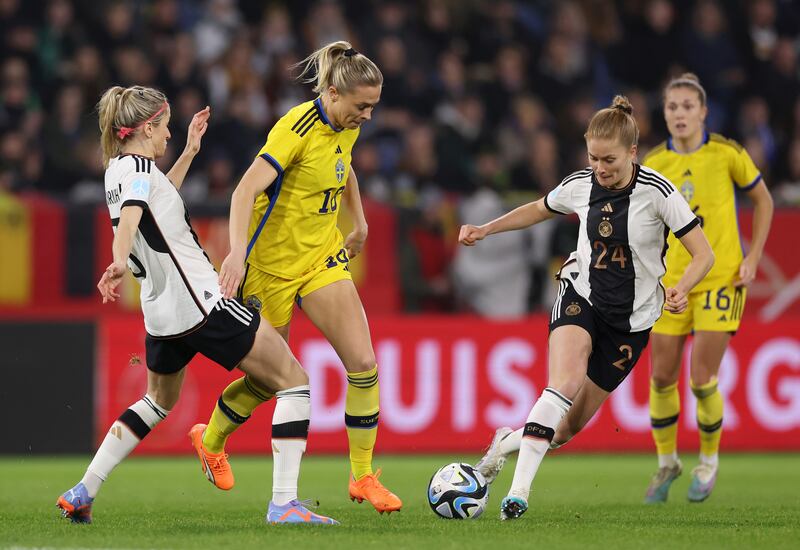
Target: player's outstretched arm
[
  {"x": 354, "y": 242},
  {"x": 519, "y": 218},
  {"x": 194, "y": 137},
  {"x": 129, "y": 219},
  {"x": 258, "y": 177},
  {"x": 702, "y": 261}
]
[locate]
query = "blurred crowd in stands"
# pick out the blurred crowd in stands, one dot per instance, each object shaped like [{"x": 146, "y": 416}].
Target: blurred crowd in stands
[{"x": 484, "y": 105}]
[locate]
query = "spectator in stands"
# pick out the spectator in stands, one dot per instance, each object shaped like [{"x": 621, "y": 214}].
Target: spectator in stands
[
  {"x": 788, "y": 191},
  {"x": 710, "y": 52},
  {"x": 61, "y": 138},
  {"x": 117, "y": 29},
  {"x": 491, "y": 281},
  {"x": 425, "y": 253},
  {"x": 59, "y": 37},
  {"x": 540, "y": 170},
  {"x": 86, "y": 69},
  {"x": 220, "y": 24}
]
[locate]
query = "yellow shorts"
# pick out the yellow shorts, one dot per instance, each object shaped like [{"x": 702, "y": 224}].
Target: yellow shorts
[
  {"x": 275, "y": 297},
  {"x": 717, "y": 310}
]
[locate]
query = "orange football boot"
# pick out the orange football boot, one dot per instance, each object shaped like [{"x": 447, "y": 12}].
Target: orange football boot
[
  {"x": 370, "y": 489},
  {"x": 215, "y": 466}
]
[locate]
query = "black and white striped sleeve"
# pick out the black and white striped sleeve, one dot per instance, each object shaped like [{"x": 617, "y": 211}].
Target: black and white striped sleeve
[
  {"x": 677, "y": 214},
  {"x": 136, "y": 184},
  {"x": 562, "y": 199}
]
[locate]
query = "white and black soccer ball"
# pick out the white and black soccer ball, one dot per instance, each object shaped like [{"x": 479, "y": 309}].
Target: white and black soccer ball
[{"x": 458, "y": 491}]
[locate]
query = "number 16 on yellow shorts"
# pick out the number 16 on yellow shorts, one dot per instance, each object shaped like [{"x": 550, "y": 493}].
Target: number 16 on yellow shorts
[{"x": 715, "y": 310}]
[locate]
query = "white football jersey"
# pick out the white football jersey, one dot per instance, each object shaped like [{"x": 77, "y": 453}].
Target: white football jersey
[
  {"x": 179, "y": 285},
  {"x": 622, "y": 241}
]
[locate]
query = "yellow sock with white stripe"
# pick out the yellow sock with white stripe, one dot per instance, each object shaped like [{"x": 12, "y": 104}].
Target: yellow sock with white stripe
[
  {"x": 233, "y": 408},
  {"x": 361, "y": 419},
  {"x": 665, "y": 408},
  {"x": 709, "y": 420}
]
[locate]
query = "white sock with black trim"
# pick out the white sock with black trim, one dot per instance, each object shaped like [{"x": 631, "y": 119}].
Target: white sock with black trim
[
  {"x": 543, "y": 420},
  {"x": 289, "y": 433},
  {"x": 125, "y": 433}
]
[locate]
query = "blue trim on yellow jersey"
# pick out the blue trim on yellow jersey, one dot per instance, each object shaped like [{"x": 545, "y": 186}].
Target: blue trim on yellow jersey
[
  {"x": 272, "y": 199},
  {"x": 318, "y": 103},
  {"x": 752, "y": 184},
  {"x": 706, "y": 138}
]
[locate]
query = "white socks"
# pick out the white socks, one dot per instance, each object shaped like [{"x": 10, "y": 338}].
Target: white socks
[
  {"x": 712, "y": 460},
  {"x": 125, "y": 434},
  {"x": 544, "y": 418},
  {"x": 511, "y": 443},
  {"x": 289, "y": 433},
  {"x": 669, "y": 460}
]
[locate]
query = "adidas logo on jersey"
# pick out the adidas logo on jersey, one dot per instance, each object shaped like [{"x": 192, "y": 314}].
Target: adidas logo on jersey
[
  {"x": 207, "y": 295},
  {"x": 687, "y": 173},
  {"x": 722, "y": 318},
  {"x": 607, "y": 208},
  {"x": 338, "y": 150}
]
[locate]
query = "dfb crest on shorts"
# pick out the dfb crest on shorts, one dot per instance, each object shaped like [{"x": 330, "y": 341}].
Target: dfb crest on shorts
[
  {"x": 339, "y": 170},
  {"x": 573, "y": 309},
  {"x": 253, "y": 302},
  {"x": 605, "y": 228}
]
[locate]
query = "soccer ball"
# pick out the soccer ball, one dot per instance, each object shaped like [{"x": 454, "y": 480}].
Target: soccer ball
[{"x": 458, "y": 491}]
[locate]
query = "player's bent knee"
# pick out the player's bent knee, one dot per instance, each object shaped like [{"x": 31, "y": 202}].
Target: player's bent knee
[
  {"x": 663, "y": 380},
  {"x": 165, "y": 399},
  {"x": 165, "y": 390},
  {"x": 702, "y": 376},
  {"x": 362, "y": 365}
]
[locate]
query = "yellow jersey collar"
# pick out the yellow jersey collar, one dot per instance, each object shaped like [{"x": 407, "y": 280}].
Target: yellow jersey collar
[
  {"x": 323, "y": 116},
  {"x": 706, "y": 137}
]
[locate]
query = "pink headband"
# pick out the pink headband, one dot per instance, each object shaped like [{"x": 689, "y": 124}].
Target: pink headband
[{"x": 123, "y": 132}]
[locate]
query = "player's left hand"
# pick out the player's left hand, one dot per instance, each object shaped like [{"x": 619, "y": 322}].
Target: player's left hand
[
  {"x": 110, "y": 280},
  {"x": 197, "y": 128},
  {"x": 747, "y": 272},
  {"x": 355, "y": 242},
  {"x": 677, "y": 301}
]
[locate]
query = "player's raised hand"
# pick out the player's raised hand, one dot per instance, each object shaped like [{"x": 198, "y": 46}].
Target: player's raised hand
[
  {"x": 354, "y": 243},
  {"x": 470, "y": 234},
  {"x": 197, "y": 128},
  {"x": 676, "y": 301},
  {"x": 231, "y": 274},
  {"x": 110, "y": 280}
]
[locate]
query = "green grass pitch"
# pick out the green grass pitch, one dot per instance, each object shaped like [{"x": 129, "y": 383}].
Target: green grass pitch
[{"x": 579, "y": 501}]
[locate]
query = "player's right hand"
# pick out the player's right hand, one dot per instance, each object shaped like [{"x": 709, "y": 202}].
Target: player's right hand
[
  {"x": 110, "y": 280},
  {"x": 231, "y": 274},
  {"x": 676, "y": 300},
  {"x": 470, "y": 234}
]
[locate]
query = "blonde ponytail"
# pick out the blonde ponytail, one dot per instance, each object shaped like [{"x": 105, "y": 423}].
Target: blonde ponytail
[
  {"x": 339, "y": 65},
  {"x": 122, "y": 110}
]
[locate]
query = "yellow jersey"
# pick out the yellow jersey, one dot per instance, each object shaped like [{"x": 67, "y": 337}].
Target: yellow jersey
[
  {"x": 293, "y": 227},
  {"x": 706, "y": 178}
]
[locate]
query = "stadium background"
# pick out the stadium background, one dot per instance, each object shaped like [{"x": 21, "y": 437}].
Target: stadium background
[{"x": 483, "y": 108}]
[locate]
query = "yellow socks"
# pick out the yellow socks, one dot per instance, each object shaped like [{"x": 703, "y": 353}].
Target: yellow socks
[
  {"x": 709, "y": 419},
  {"x": 665, "y": 407},
  {"x": 235, "y": 405},
  {"x": 361, "y": 419}
]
